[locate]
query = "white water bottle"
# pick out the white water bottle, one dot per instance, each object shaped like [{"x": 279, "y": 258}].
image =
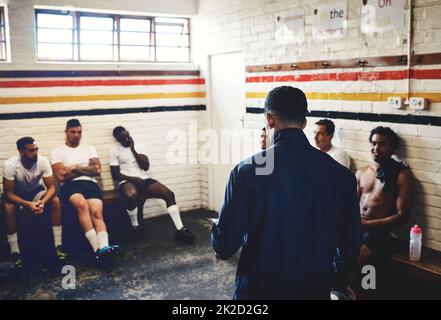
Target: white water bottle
[{"x": 415, "y": 243}]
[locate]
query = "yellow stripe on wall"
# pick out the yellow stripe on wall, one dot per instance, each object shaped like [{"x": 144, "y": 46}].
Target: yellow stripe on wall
[
  {"x": 359, "y": 96},
  {"x": 102, "y": 97}
]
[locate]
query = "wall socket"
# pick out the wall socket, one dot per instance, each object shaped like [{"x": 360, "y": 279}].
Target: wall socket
[
  {"x": 418, "y": 103},
  {"x": 395, "y": 102}
]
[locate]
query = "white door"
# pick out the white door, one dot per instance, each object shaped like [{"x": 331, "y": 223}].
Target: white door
[{"x": 227, "y": 111}]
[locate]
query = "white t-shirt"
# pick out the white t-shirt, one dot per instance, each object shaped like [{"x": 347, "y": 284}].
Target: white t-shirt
[
  {"x": 340, "y": 156},
  {"x": 79, "y": 155},
  {"x": 124, "y": 158},
  {"x": 26, "y": 179}
]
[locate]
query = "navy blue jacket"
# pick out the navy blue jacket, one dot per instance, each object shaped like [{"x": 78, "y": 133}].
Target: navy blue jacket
[{"x": 288, "y": 223}]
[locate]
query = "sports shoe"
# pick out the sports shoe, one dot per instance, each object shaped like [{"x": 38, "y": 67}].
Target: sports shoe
[
  {"x": 185, "y": 236},
  {"x": 106, "y": 252},
  {"x": 16, "y": 260},
  {"x": 60, "y": 253}
]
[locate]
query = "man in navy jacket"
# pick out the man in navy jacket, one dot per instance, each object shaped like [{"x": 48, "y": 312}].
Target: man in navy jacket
[{"x": 290, "y": 220}]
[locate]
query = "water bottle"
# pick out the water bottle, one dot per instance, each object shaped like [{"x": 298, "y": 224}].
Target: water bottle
[{"x": 415, "y": 243}]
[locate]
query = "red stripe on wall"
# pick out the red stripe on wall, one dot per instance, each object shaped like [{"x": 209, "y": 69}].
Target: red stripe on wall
[
  {"x": 350, "y": 76},
  {"x": 87, "y": 83},
  {"x": 426, "y": 74}
]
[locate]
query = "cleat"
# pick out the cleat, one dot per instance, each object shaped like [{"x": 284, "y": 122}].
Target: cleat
[
  {"x": 185, "y": 236},
  {"x": 106, "y": 252},
  {"x": 60, "y": 253},
  {"x": 16, "y": 260}
]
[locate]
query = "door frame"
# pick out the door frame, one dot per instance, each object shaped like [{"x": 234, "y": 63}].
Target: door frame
[{"x": 210, "y": 118}]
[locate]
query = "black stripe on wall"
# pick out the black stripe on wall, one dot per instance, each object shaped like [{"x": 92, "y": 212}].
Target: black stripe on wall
[
  {"x": 96, "y": 112},
  {"x": 93, "y": 73},
  {"x": 372, "y": 117}
]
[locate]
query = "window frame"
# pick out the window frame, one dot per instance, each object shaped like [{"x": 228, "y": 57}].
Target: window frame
[
  {"x": 116, "y": 37},
  {"x": 3, "y": 34}
]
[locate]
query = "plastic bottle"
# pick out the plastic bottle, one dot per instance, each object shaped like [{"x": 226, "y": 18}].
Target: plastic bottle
[{"x": 415, "y": 243}]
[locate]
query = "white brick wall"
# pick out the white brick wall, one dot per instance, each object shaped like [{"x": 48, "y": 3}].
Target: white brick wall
[
  {"x": 188, "y": 181},
  {"x": 423, "y": 160},
  {"x": 249, "y": 25}
]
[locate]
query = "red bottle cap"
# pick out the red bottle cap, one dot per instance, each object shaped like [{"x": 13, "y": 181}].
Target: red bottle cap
[{"x": 416, "y": 229}]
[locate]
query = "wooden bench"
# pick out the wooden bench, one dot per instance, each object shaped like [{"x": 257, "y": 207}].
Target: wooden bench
[
  {"x": 427, "y": 269},
  {"x": 110, "y": 196}
]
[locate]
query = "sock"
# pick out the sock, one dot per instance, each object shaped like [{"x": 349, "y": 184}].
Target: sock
[
  {"x": 57, "y": 235},
  {"x": 13, "y": 243},
  {"x": 173, "y": 211},
  {"x": 133, "y": 215},
  {"x": 91, "y": 236},
  {"x": 103, "y": 239}
]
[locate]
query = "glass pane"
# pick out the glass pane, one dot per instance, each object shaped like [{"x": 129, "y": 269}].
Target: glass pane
[
  {"x": 135, "y": 53},
  {"x": 54, "y": 35},
  {"x": 96, "y": 52},
  {"x": 2, "y": 51},
  {"x": 136, "y": 38},
  {"x": 172, "y": 40},
  {"x": 172, "y": 54},
  {"x": 54, "y": 21},
  {"x": 96, "y": 37},
  {"x": 96, "y": 23},
  {"x": 55, "y": 51},
  {"x": 135, "y": 25},
  {"x": 170, "y": 28}
]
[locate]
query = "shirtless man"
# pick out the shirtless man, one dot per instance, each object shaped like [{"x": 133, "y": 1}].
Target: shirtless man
[{"x": 385, "y": 189}]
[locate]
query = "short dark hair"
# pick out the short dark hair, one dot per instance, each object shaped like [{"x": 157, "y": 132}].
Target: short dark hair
[
  {"x": 117, "y": 132},
  {"x": 392, "y": 137},
  {"x": 22, "y": 142},
  {"x": 288, "y": 103},
  {"x": 329, "y": 125},
  {"x": 72, "y": 123}
]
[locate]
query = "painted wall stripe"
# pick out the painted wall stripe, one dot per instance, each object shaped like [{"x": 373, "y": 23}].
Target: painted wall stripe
[
  {"x": 418, "y": 74},
  {"x": 358, "y": 96},
  {"x": 93, "y": 73},
  {"x": 95, "y": 112},
  {"x": 372, "y": 117},
  {"x": 87, "y": 83},
  {"x": 101, "y": 97}
]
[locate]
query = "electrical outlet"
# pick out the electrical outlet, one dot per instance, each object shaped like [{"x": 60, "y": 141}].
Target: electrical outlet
[
  {"x": 418, "y": 103},
  {"x": 395, "y": 102}
]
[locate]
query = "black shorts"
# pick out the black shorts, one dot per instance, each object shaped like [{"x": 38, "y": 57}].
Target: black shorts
[
  {"x": 89, "y": 189},
  {"x": 378, "y": 240},
  {"x": 30, "y": 195},
  {"x": 146, "y": 184}
]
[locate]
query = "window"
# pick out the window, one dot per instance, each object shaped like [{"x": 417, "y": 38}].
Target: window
[
  {"x": 82, "y": 36},
  {"x": 3, "y": 55}
]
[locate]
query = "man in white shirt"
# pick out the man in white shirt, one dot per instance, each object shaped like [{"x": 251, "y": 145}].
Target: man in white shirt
[
  {"x": 76, "y": 165},
  {"x": 22, "y": 175},
  {"x": 129, "y": 167},
  {"x": 323, "y": 134}
]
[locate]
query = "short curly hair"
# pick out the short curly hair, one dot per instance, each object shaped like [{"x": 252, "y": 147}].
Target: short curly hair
[{"x": 392, "y": 137}]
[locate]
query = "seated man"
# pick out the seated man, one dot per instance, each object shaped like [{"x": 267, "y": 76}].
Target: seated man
[
  {"x": 129, "y": 167},
  {"x": 22, "y": 175},
  {"x": 76, "y": 165},
  {"x": 323, "y": 134},
  {"x": 385, "y": 189}
]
